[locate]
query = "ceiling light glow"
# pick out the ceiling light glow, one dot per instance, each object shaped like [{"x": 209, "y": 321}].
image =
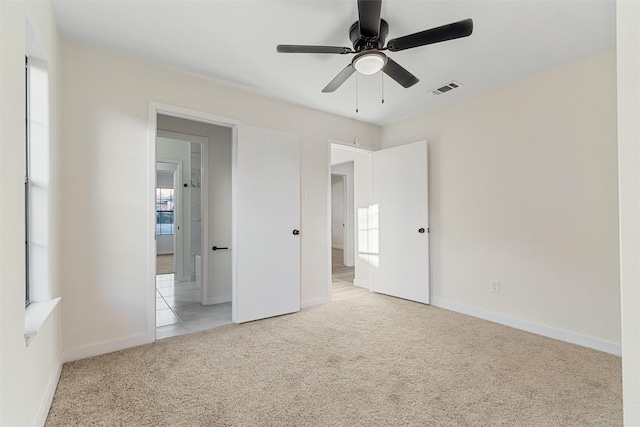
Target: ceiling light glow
[{"x": 368, "y": 63}]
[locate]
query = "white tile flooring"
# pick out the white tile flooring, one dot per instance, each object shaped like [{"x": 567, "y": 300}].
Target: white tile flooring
[{"x": 179, "y": 309}]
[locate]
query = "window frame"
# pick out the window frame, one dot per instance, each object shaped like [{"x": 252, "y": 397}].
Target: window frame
[
  {"x": 173, "y": 223},
  {"x": 27, "y": 183}
]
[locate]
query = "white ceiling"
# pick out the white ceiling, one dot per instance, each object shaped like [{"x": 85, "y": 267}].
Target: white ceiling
[{"x": 235, "y": 42}]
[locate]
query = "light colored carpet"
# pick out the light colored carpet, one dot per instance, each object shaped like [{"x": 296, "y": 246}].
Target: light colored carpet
[
  {"x": 367, "y": 361},
  {"x": 164, "y": 264}
]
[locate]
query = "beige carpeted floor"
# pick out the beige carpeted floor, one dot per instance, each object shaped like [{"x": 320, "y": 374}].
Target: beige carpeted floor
[
  {"x": 164, "y": 264},
  {"x": 366, "y": 361}
]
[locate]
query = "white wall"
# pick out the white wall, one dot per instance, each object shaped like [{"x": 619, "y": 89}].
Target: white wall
[
  {"x": 105, "y": 125},
  {"x": 523, "y": 190},
  {"x": 628, "y": 45},
  {"x": 219, "y": 199},
  {"x": 165, "y": 244},
  {"x": 337, "y": 211},
  {"x": 362, "y": 193},
  {"x": 180, "y": 151},
  {"x": 28, "y": 375},
  {"x": 164, "y": 179}
]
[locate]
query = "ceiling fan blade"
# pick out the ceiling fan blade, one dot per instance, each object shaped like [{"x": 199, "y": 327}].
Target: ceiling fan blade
[
  {"x": 296, "y": 48},
  {"x": 399, "y": 74},
  {"x": 434, "y": 35},
  {"x": 369, "y": 17},
  {"x": 339, "y": 79}
]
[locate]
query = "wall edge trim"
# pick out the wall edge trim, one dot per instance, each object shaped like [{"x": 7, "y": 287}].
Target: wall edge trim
[
  {"x": 361, "y": 284},
  {"x": 314, "y": 302},
  {"x": 535, "y": 328},
  {"x": 45, "y": 405},
  {"x": 219, "y": 300},
  {"x": 108, "y": 347}
]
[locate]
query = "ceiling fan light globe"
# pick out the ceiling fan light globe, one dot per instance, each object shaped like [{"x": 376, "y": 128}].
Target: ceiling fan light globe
[{"x": 369, "y": 63}]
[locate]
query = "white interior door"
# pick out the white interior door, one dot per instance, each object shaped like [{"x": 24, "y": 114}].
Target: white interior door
[
  {"x": 400, "y": 192},
  {"x": 268, "y": 224}
]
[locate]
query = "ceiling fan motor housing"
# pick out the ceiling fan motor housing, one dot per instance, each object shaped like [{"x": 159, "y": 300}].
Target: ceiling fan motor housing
[{"x": 362, "y": 43}]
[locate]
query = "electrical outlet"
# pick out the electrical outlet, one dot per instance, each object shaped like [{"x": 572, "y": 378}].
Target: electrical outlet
[{"x": 495, "y": 287}]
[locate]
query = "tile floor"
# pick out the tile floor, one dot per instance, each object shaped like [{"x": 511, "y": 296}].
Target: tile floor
[{"x": 179, "y": 311}]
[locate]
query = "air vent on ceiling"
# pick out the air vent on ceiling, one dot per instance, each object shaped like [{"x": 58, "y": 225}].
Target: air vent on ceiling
[{"x": 446, "y": 88}]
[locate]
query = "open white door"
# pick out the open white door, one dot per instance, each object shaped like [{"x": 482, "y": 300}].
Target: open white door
[
  {"x": 268, "y": 224},
  {"x": 401, "y": 194}
]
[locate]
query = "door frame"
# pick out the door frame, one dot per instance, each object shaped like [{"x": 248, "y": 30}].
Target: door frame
[
  {"x": 177, "y": 220},
  {"x": 354, "y": 222},
  {"x": 204, "y": 204},
  {"x": 156, "y": 108}
]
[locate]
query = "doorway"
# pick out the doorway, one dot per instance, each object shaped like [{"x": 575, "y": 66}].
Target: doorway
[
  {"x": 265, "y": 200},
  {"x": 392, "y": 227},
  {"x": 196, "y": 295},
  {"x": 167, "y": 216},
  {"x": 341, "y": 228},
  {"x": 342, "y": 232},
  {"x": 355, "y": 165}
]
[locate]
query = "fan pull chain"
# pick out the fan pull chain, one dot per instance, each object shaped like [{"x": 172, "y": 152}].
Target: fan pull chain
[
  {"x": 382, "y": 84},
  {"x": 356, "y": 92}
]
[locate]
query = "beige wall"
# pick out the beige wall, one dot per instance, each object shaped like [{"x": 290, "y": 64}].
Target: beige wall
[
  {"x": 105, "y": 154},
  {"x": 628, "y": 45},
  {"x": 523, "y": 190},
  {"x": 28, "y": 375}
]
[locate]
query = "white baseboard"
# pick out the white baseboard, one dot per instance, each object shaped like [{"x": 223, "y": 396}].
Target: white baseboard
[
  {"x": 314, "y": 302},
  {"x": 108, "y": 347},
  {"x": 218, "y": 300},
  {"x": 361, "y": 284},
  {"x": 45, "y": 405},
  {"x": 536, "y": 328}
]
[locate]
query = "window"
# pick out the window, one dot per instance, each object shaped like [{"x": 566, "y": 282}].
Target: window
[
  {"x": 38, "y": 231},
  {"x": 165, "y": 211},
  {"x": 37, "y": 183},
  {"x": 26, "y": 183}
]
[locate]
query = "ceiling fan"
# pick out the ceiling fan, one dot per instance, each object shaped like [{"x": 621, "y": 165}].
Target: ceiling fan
[{"x": 368, "y": 35}]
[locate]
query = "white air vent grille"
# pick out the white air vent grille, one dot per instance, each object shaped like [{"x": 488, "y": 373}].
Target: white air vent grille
[{"x": 446, "y": 88}]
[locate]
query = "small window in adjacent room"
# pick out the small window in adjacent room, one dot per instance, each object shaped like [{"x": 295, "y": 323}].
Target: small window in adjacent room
[{"x": 164, "y": 211}]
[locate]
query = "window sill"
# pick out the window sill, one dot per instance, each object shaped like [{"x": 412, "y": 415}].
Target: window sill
[{"x": 35, "y": 316}]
